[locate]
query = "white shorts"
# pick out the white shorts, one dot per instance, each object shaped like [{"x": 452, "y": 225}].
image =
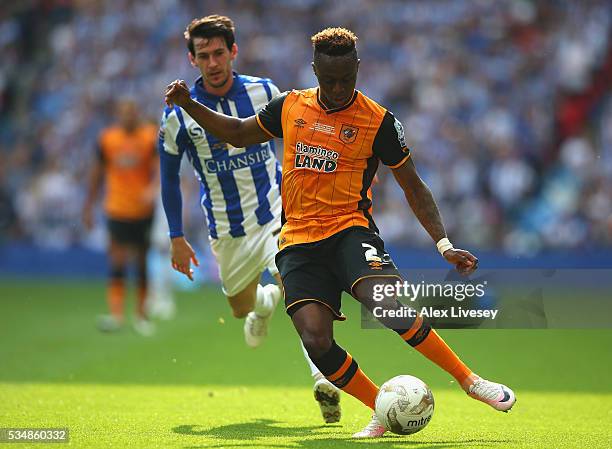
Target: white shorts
[{"x": 242, "y": 259}]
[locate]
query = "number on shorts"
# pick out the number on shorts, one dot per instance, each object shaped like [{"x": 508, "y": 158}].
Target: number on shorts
[{"x": 371, "y": 254}]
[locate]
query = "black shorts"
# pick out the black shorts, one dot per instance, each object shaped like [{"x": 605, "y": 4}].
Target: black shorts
[
  {"x": 135, "y": 233},
  {"x": 321, "y": 271}
]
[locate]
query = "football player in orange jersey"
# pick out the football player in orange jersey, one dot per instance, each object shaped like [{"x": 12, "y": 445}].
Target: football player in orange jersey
[
  {"x": 334, "y": 138},
  {"x": 240, "y": 189},
  {"x": 127, "y": 164}
]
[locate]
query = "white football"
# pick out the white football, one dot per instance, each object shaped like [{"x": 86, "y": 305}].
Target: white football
[{"x": 404, "y": 404}]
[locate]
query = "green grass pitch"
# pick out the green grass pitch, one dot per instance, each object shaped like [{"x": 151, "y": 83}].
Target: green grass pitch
[{"x": 196, "y": 385}]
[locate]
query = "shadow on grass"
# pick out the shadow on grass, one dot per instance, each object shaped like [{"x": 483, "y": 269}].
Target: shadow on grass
[
  {"x": 260, "y": 428},
  {"x": 311, "y": 437}
]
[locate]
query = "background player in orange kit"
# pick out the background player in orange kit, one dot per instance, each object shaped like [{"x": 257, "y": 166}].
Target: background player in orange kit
[
  {"x": 127, "y": 163},
  {"x": 334, "y": 138}
]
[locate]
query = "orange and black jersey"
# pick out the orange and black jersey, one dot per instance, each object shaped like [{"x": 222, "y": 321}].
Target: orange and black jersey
[
  {"x": 330, "y": 158},
  {"x": 130, "y": 163}
]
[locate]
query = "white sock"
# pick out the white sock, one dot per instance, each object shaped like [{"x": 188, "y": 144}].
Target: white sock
[
  {"x": 314, "y": 371},
  {"x": 263, "y": 302}
]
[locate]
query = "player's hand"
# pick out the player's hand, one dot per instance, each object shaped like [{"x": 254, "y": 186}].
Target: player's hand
[
  {"x": 464, "y": 261},
  {"x": 177, "y": 93},
  {"x": 183, "y": 255}
]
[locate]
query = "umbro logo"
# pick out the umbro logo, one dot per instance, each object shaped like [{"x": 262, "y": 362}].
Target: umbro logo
[
  {"x": 300, "y": 122},
  {"x": 375, "y": 265}
]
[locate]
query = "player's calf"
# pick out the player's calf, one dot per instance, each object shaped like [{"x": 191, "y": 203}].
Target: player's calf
[
  {"x": 242, "y": 303},
  {"x": 240, "y": 311}
]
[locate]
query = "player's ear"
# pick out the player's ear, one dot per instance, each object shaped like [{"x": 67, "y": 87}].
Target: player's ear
[
  {"x": 191, "y": 59},
  {"x": 314, "y": 68},
  {"x": 234, "y": 51}
]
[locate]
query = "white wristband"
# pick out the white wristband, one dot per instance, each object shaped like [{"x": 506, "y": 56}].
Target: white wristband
[{"x": 444, "y": 245}]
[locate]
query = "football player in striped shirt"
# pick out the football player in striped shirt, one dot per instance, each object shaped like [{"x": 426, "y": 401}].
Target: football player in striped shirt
[
  {"x": 334, "y": 138},
  {"x": 239, "y": 184}
]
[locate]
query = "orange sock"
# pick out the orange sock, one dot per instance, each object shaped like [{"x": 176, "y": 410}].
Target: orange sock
[
  {"x": 362, "y": 388},
  {"x": 427, "y": 341},
  {"x": 142, "y": 298},
  {"x": 115, "y": 297},
  {"x": 351, "y": 379},
  {"x": 342, "y": 370}
]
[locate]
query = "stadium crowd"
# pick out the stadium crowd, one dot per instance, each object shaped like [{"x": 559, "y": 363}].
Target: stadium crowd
[{"x": 479, "y": 86}]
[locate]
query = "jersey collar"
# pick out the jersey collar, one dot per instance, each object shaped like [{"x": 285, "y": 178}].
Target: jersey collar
[
  {"x": 201, "y": 91},
  {"x": 341, "y": 108}
]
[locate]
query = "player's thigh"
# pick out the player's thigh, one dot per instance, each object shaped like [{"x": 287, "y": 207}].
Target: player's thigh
[
  {"x": 267, "y": 250},
  {"x": 267, "y": 247},
  {"x": 140, "y": 240},
  {"x": 130, "y": 237},
  {"x": 377, "y": 292},
  {"x": 306, "y": 278},
  {"x": 361, "y": 258},
  {"x": 239, "y": 269},
  {"x": 118, "y": 247},
  {"x": 279, "y": 282},
  {"x": 244, "y": 301}
]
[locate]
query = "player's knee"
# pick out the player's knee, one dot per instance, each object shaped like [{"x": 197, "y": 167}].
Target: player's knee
[
  {"x": 240, "y": 312},
  {"x": 142, "y": 277},
  {"x": 316, "y": 345},
  {"x": 117, "y": 272},
  {"x": 241, "y": 305}
]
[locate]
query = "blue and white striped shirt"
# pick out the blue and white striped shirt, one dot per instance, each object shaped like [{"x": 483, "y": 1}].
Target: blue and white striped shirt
[{"x": 239, "y": 187}]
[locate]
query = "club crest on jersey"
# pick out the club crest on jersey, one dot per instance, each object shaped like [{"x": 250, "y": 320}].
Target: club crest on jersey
[
  {"x": 195, "y": 132},
  {"x": 348, "y": 133},
  {"x": 315, "y": 158}
]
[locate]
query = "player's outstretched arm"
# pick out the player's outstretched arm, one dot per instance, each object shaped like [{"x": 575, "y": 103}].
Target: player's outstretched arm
[
  {"x": 235, "y": 131},
  {"x": 424, "y": 206}
]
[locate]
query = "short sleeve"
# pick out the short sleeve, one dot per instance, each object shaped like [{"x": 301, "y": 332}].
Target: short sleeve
[
  {"x": 269, "y": 118},
  {"x": 390, "y": 143},
  {"x": 168, "y": 130}
]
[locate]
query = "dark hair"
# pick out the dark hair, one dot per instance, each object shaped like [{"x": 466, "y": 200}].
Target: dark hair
[
  {"x": 210, "y": 26},
  {"x": 334, "y": 42}
]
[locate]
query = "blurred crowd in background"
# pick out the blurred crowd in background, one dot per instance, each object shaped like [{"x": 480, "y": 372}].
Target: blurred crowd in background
[{"x": 506, "y": 105}]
